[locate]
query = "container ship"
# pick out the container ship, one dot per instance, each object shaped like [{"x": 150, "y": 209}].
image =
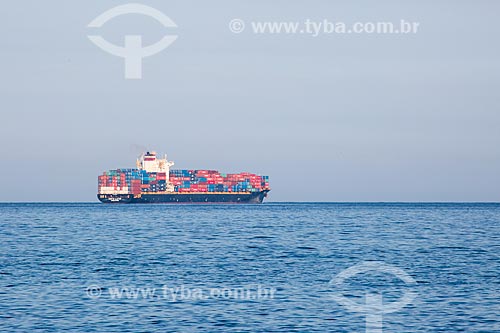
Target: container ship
[{"x": 152, "y": 181}]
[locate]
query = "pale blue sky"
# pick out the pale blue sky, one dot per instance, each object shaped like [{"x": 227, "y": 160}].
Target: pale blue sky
[{"x": 331, "y": 118}]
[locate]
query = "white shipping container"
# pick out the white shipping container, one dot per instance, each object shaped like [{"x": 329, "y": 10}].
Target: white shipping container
[
  {"x": 107, "y": 188},
  {"x": 113, "y": 192}
]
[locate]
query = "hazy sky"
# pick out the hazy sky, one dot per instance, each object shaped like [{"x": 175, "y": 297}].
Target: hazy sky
[{"x": 328, "y": 118}]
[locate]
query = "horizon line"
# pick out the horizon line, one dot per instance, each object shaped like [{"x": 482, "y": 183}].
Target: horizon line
[{"x": 268, "y": 202}]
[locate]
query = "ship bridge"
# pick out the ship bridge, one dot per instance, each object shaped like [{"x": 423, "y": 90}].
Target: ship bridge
[{"x": 151, "y": 163}]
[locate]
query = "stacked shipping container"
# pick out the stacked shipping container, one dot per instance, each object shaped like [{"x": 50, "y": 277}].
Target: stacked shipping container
[{"x": 136, "y": 181}]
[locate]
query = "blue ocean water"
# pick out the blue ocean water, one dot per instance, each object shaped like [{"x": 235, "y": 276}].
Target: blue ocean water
[{"x": 247, "y": 268}]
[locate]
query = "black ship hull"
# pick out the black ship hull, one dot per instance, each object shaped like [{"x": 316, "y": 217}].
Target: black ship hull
[{"x": 205, "y": 197}]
